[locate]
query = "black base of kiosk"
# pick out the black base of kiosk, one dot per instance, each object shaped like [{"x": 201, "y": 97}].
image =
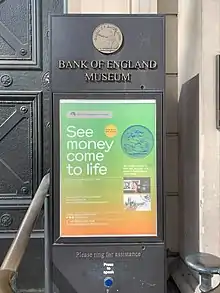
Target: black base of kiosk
[
  {"x": 107, "y": 101},
  {"x": 118, "y": 268}
]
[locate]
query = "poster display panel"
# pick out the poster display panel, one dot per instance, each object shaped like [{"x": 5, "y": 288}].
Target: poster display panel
[{"x": 108, "y": 168}]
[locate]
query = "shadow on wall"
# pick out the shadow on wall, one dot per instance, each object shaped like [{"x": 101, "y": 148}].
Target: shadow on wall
[{"x": 188, "y": 116}]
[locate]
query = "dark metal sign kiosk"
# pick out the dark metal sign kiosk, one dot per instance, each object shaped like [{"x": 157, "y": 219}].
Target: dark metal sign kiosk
[{"x": 107, "y": 82}]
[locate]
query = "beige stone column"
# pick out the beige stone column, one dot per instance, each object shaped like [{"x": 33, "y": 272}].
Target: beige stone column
[
  {"x": 210, "y": 136},
  {"x": 112, "y": 6},
  {"x": 199, "y": 153},
  {"x": 199, "y": 43},
  {"x": 143, "y": 6}
]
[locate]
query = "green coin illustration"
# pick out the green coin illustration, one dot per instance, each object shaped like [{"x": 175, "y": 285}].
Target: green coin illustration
[{"x": 137, "y": 141}]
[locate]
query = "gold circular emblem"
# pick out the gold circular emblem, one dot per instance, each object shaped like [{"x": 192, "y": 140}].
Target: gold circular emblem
[
  {"x": 107, "y": 38},
  {"x": 111, "y": 130}
]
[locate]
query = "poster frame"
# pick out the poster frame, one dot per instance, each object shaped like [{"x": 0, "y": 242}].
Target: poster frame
[{"x": 55, "y": 174}]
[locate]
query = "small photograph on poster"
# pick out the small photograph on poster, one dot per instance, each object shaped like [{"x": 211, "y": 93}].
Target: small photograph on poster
[
  {"x": 137, "y": 195},
  {"x": 137, "y": 202}
]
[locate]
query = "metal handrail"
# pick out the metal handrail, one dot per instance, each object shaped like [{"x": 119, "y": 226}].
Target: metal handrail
[{"x": 18, "y": 247}]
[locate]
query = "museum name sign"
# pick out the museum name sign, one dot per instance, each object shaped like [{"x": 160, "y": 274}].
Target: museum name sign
[{"x": 108, "y": 70}]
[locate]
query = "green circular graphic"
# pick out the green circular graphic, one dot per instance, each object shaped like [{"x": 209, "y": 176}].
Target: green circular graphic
[{"x": 137, "y": 141}]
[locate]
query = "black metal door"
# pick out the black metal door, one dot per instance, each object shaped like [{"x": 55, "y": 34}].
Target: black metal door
[{"x": 24, "y": 123}]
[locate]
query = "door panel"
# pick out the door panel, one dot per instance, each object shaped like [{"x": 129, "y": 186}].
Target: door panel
[
  {"x": 11, "y": 217},
  {"x": 20, "y": 141},
  {"x": 20, "y": 34},
  {"x": 24, "y": 123}
]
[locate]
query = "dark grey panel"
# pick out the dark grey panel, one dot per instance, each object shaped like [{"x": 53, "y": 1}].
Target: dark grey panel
[
  {"x": 31, "y": 270},
  {"x": 83, "y": 269},
  {"x": 11, "y": 218},
  {"x": 72, "y": 40},
  {"x": 20, "y": 139},
  {"x": 20, "y": 80},
  {"x": 20, "y": 34}
]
